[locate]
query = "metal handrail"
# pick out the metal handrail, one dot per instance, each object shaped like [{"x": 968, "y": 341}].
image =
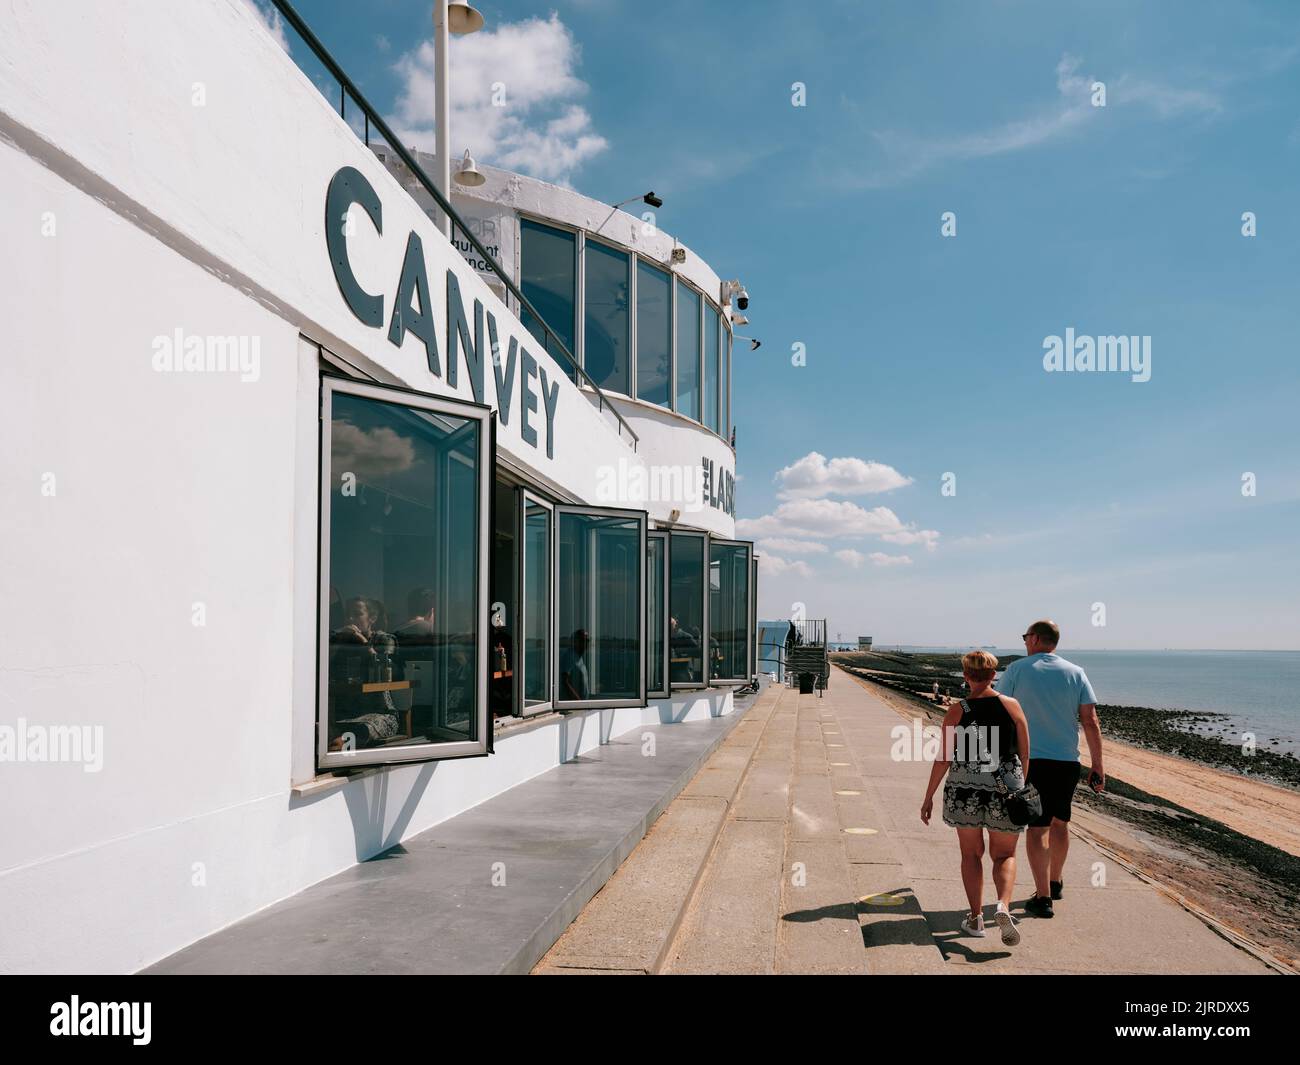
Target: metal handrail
[{"x": 347, "y": 88}]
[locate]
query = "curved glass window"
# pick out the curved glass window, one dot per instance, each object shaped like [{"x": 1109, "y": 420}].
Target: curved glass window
[
  {"x": 547, "y": 264},
  {"x": 607, "y": 317},
  {"x": 653, "y": 334},
  {"x": 535, "y": 615},
  {"x": 712, "y": 368},
  {"x": 688, "y": 352},
  {"x": 656, "y": 621}
]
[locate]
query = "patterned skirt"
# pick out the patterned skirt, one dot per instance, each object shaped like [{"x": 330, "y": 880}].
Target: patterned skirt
[{"x": 973, "y": 799}]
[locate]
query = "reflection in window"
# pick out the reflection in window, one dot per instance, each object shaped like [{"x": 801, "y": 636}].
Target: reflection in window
[
  {"x": 712, "y": 369},
  {"x": 505, "y": 563},
  {"x": 655, "y": 614},
  {"x": 688, "y": 351},
  {"x": 601, "y": 567},
  {"x": 653, "y": 334},
  {"x": 402, "y": 575},
  {"x": 607, "y": 318},
  {"x": 547, "y": 272},
  {"x": 729, "y": 566},
  {"x": 686, "y": 635},
  {"x": 537, "y": 605}
]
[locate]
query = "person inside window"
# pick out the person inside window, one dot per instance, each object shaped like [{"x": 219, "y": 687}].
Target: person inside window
[
  {"x": 361, "y": 653},
  {"x": 573, "y": 667}
]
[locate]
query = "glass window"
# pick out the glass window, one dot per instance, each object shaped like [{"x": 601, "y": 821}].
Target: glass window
[
  {"x": 687, "y": 627},
  {"x": 404, "y": 576},
  {"x": 535, "y": 616},
  {"x": 547, "y": 264},
  {"x": 753, "y": 619},
  {"x": 505, "y": 598},
  {"x": 712, "y": 369},
  {"x": 600, "y": 588},
  {"x": 729, "y": 609},
  {"x": 688, "y": 351},
  {"x": 653, "y": 334},
  {"x": 607, "y": 317},
  {"x": 656, "y": 618}
]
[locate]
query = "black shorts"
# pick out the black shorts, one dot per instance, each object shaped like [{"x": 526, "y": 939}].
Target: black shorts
[{"x": 1055, "y": 782}]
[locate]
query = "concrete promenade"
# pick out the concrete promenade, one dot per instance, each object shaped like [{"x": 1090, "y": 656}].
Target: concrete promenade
[{"x": 798, "y": 848}]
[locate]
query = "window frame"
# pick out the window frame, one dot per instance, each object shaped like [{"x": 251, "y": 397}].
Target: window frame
[
  {"x": 680, "y": 282},
  {"x": 525, "y": 496},
  {"x": 579, "y": 282},
  {"x": 691, "y": 685},
  {"x": 753, "y": 621},
  {"x": 631, "y": 258},
  {"x": 722, "y": 682},
  {"x": 665, "y": 536},
  {"x": 643, "y": 519},
  {"x": 330, "y": 761}
]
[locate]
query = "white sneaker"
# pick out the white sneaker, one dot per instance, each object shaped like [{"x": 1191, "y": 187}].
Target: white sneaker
[
  {"x": 1007, "y": 923},
  {"x": 975, "y": 929}
]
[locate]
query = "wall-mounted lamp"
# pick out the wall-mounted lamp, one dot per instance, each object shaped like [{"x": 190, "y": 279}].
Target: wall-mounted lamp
[
  {"x": 754, "y": 344},
  {"x": 469, "y": 174}
]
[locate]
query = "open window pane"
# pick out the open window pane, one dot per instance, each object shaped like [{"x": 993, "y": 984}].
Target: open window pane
[
  {"x": 688, "y": 352},
  {"x": 606, "y": 338},
  {"x": 653, "y": 334},
  {"x": 730, "y": 567},
  {"x": 656, "y": 614},
  {"x": 753, "y": 619},
  {"x": 712, "y": 368},
  {"x": 600, "y": 589},
  {"x": 404, "y": 576},
  {"x": 687, "y": 624},
  {"x": 535, "y": 614},
  {"x": 547, "y": 270}
]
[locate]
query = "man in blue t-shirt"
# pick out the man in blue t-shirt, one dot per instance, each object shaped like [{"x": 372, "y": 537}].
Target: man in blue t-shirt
[{"x": 1057, "y": 700}]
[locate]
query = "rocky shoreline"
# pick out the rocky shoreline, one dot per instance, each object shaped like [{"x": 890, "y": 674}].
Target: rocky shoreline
[{"x": 1189, "y": 734}]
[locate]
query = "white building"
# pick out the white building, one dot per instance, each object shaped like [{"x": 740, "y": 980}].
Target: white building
[{"x": 298, "y": 507}]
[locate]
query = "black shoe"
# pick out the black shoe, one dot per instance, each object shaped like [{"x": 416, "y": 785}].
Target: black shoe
[
  {"x": 1058, "y": 888},
  {"x": 1039, "y": 906}
]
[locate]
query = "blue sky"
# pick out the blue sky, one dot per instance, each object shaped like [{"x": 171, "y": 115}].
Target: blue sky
[{"x": 924, "y": 352}]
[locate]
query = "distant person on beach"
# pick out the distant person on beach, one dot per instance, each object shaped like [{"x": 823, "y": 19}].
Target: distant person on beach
[
  {"x": 985, "y": 749},
  {"x": 936, "y": 691},
  {"x": 1058, "y": 700}
]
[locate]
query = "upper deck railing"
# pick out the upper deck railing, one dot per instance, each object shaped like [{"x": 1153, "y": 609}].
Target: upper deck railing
[{"x": 373, "y": 118}]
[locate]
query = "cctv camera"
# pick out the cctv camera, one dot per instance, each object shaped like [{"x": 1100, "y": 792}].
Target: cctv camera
[{"x": 742, "y": 301}]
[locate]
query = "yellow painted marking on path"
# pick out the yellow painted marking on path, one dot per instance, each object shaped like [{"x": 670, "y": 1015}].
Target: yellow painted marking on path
[
  {"x": 835, "y": 745},
  {"x": 842, "y": 763},
  {"x": 846, "y": 792},
  {"x": 861, "y": 831},
  {"x": 882, "y": 900}
]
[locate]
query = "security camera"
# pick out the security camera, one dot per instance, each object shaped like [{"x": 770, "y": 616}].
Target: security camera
[{"x": 742, "y": 301}]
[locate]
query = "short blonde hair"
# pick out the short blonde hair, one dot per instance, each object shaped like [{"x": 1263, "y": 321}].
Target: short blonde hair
[{"x": 979, "y": 665}]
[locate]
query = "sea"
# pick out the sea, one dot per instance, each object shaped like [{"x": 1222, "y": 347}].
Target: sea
[{"x": 1259, "y": 691}]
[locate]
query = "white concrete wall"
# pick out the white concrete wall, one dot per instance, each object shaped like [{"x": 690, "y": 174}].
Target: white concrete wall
[{"x": 176, "y": 489}]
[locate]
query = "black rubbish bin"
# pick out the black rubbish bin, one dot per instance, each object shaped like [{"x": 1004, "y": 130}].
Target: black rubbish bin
[{"x": 806, "y": 683}]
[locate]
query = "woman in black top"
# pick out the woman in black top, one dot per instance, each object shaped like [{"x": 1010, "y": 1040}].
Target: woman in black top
[{"x": 985, "y": 757}]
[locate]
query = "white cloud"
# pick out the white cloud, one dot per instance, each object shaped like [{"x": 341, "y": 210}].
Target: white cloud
[
  {"x": 908, "y": 155},
  {"x": 913, "y": 536},
  {"x": 851, "y": 558},
  {"x": 270, "y": 18},
  {"x": 815, "y": 475},
  {"x": 540, "y": 130},
  {"x": 831, "y": 519},
  {"x": 879, "y": 558},
  {"x": 774, "y": 565},
  {"x": 791, "y": 547}
]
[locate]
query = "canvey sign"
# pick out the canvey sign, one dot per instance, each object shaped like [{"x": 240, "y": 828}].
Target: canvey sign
[{"x": 413, "y": 313}]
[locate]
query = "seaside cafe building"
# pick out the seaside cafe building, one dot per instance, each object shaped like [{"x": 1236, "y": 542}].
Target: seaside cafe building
[{"x": 316, "y": 534}]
